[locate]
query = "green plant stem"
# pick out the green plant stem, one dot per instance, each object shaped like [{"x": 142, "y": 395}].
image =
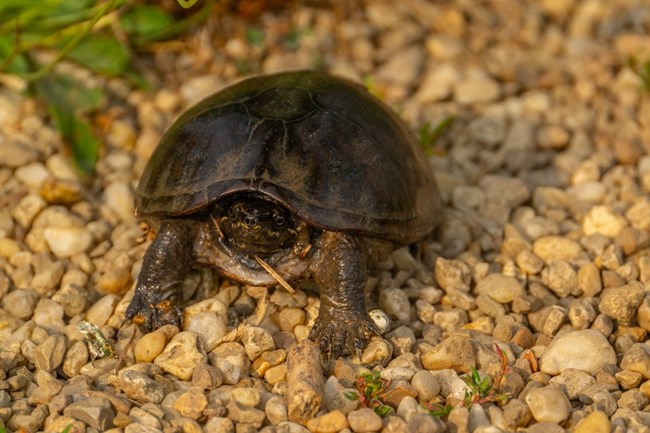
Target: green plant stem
[{"x": 71, "y": 43}]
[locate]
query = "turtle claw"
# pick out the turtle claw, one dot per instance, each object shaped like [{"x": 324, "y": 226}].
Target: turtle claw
[
  {"x": 341, "y": 333},
  {"x": 149, "y": 316}
]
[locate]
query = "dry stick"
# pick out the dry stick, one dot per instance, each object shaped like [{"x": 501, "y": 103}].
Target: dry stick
[
  {"x": 304, "y": 381},
  {"x": 275, "y": 275}
]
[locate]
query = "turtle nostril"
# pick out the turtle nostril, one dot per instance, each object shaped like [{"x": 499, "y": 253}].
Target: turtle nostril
[{"x": 250, "y": 221}]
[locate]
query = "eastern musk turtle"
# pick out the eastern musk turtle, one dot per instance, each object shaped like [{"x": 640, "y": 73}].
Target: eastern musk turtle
[{"x": 303, "y": 170}]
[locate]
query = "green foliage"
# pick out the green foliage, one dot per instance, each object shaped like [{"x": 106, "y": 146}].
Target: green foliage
[
  {"x": 642, "y": 70},
  {"x": 102, "y": 36},
  {"x": 371, "y": 386},
  {"x": 480, "y": 390},
  {"x": 438, "y": 410},
  {"x": 428, "y": 134}
]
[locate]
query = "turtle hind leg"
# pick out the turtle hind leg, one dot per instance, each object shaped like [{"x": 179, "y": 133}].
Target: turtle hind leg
[
  {"x": 340, "y": 270},
  {"x": 165, "y": 264}
]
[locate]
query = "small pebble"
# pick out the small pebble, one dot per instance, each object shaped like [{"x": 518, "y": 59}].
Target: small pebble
[
  {"x": 364, "y": 420},
  {"x": 191, "y": 403},
  {"x": 595, "y": 422},
  {"x": 150, "y": 346},
  {"x": 425, "y": 384},
  {"x": 67, "y": 241},
  {"x": 330, "y": 422},
  {"x": 181, "y": 355},
  {"x": 603, "y": 220},
  {"x": 501, "y": 288},
  {"x": 567, "y": 350},
  {"x": 231, "y": 359},
  {"x": 548, "y": 405}
]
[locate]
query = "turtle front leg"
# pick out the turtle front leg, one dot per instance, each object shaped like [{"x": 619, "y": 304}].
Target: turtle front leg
[
  {"x": 165, "y": 264},
  {"x": 340, "y": 270}
]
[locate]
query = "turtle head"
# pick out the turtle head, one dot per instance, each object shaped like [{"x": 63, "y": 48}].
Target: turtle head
[{"x": 256, "y": 225}]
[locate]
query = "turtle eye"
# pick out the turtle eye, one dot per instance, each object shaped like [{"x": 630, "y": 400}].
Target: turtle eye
[{"x": 278, "y": 220}]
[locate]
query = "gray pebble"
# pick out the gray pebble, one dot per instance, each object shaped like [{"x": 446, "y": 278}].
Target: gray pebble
[
  {"x": 402, "y": 339},
  {"x": 395, "y": 302},
  {"x": 548, "y": 405},
  {"x": 334, "y": 396},
  {"x": 139, "y": 387},
  {"x": 95, "y": 412},
  {"x": 425, "y": 384},
  {"x": 276, "y": 410},
  {"x": 364, "y": 420}
]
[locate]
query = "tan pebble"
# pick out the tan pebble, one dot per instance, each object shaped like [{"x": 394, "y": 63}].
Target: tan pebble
[
  {"x": 603, "y": 220},
  {"x": 548, "y": 405},
  {"x": 288, "y": 318},
  {"x": 331, "y": 422},
  {"x": 181, "y": 355},
  {"x": 595, "y": 422},
  {"x": 115, "y": 281},
  {"x": 191, "y": 403},
  {"x": 276, "y": 374},
  {"x": 455, "y": 352},
  {"x": 249, "y": 397},
  {"x": 501, "y": 288},
  {"x": 364, "y": 420},
  {"x": 150, "y": 346},
  {"x": 60, "y": 191},
  {"x": 549, "y": 248},
  {"x": 8, "y": 247},
  {"x": 67, "y": 241}
]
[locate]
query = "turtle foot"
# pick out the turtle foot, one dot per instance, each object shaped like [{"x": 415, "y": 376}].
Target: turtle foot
[
  {"x": 150, "y": 315},
  {"x": 341, "y": 333}
]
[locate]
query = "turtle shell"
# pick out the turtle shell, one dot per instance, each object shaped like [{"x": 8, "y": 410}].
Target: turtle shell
[{"x": 320, "y": 145}]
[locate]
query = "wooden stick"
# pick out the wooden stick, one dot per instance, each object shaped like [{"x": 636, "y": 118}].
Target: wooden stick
[{"x": 304, "y": 381}]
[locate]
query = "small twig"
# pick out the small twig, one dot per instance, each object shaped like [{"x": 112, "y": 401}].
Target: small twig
[{"x": 275, "y": 275}]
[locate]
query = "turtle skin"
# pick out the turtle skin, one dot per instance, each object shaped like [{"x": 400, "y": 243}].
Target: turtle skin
[{"x": 303, "y": 170}]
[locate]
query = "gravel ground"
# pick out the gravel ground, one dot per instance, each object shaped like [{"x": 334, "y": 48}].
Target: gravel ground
[{"x": 544, "y": 249}]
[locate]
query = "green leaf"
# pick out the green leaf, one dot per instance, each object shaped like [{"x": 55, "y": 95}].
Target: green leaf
[
  {"x": 101, "y": 53},
  {"x": 351, "y": 395},
  {"x": 67, "y": 94},
  {"x": 255, "y": 36},
  {"x": 67, "y": 102},
  {"x": 187, "y": 3},
  {"x": 145, "y": 21},
  {"x": 11, "y": 61}
]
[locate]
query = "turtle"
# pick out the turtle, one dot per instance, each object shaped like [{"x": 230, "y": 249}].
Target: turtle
[{"x": 298, "y": 174}]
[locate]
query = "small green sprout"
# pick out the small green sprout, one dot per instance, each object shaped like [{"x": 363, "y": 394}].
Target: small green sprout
[
  {"x": 370, "y": 386},
  {"x": 428, "y": 135},
  {"x": 641, "y": 69},
  {"x": 481, "y": 390},
  {"x": 438, "y": 410}
]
